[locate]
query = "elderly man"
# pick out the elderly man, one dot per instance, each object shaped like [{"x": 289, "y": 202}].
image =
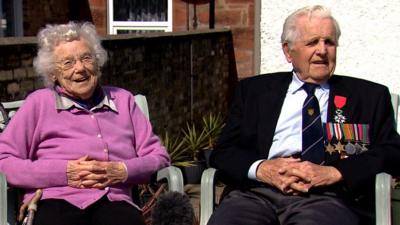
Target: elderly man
[{"x": 303, "y": 147}]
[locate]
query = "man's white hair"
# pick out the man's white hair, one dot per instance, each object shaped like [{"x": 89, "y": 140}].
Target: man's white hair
[{"x": 290, "y": 31}]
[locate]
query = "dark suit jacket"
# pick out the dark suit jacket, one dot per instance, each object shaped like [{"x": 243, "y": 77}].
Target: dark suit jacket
[{"x": 254, "y": 113}]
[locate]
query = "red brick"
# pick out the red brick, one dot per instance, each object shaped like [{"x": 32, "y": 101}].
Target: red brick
[
  {"x": 243, "y": 38},
  {"x": 179, "y": 15},
  {"x": 99, "y": 20},
  {"x": 244, "y": 69},
  {"x": 98, "y": 3},
  {"x": 229, "y": 18},
  {"x": 238, "y": 1},
  {"x": 243, "y": 56},
  {"x": 204, "y": 17},
  {"x": 250, "y": 15}
]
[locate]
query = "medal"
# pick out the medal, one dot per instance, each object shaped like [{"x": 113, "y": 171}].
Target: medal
[
  {"x": 364, "y": 148},
  {"x": 330, "y": 149},
  {"x": 350, "y": 149},
  {"x": 329, "y": 134},
  {"x": 339, "y": 102},
  {"x": 339, "y": 147},
  {"x": 358, "y": 148}
]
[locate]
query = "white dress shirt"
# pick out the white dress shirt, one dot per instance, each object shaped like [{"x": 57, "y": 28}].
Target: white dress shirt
[{"x": 288, "y": 137}]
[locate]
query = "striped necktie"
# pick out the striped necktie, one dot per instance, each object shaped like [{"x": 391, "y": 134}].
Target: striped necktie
[{"x": 312, "y": 134}]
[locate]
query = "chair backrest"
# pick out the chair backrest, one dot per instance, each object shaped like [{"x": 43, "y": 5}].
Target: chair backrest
[
  {"x": 141, "y": 101},
  {"x": 395, "y": 104},
  {"x": 3, "y": 200}
]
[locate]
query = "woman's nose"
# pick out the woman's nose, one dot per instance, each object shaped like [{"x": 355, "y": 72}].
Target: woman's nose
[{"x": 79, "y": 65}]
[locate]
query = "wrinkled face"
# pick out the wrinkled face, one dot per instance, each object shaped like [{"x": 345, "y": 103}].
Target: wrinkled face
[
  {"x": 76, "y": 68},
  {"x": 313, "y": 54}
]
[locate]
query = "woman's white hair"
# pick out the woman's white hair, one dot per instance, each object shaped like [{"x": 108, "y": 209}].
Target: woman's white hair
[
  {"x": 290, "y": 32},
  {"x": 52, "y": 35}
]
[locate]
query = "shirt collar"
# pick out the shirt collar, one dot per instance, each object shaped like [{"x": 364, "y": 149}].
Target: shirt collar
[
  {"x": 297, "y": 84},
  {"x": 65, "y": 103}
]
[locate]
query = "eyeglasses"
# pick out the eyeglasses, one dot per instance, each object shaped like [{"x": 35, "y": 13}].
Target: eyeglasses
[{"x": 69, "y": 63}]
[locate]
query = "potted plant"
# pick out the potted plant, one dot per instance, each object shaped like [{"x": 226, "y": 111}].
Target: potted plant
[
  {"x": 194, "y": 142},
  {"x": 175, "y": 148},
  {"x": 212, "y": 125},
  {"x": 191, "y": 151}
]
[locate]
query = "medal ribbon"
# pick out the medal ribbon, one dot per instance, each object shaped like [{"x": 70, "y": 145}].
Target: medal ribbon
[
  {"x": 329, "y": 132},
  {"x": 339, "y": 101},
  {"x": 355, "y": 129},
  {"x": 361, "y": 132},
  {"x": 365, "y": 129},
  {"x": 348, "y": 131},
  {"x": 338, "y": 131}
]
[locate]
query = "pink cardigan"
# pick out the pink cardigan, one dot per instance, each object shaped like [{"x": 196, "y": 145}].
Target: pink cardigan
[{"x": 40, "y": 139}]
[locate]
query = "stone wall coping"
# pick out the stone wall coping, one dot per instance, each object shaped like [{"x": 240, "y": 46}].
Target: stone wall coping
[
  {"x": 32, "y": 40},
  {"x": 166, "y": 34},
  {"x": 17, "y": 40}
]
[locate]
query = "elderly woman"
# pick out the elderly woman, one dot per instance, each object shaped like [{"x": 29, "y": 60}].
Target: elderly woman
[{"x": 83, "y": 144}]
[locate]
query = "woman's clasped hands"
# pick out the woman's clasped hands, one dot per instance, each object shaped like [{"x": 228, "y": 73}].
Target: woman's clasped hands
[{"x": 87, "y": 173}]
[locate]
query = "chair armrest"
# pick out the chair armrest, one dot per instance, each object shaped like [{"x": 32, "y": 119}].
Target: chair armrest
[
  {"x": 383, "y": 199},
  {"x": 174, "y": 178},
  {"x": 3, "y": 199},
  {"x": 207, "y": 195}
]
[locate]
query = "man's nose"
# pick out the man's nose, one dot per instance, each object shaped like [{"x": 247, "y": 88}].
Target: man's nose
[{"x": 321, "y": 47}]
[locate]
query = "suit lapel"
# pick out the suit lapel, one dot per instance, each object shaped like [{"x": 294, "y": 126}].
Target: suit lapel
[{"x": 270, "y": 105}]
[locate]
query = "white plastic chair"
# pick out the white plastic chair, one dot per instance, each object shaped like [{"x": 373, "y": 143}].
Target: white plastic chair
[
  {"x": 382, "y": 189},
  {"x": 171, "y": 174}
]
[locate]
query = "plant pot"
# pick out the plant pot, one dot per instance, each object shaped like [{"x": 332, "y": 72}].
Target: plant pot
[
  {"x": 206, "y": 155},
  {"x": 192, "y": 174},
  {"x": 396, "y": 206}
]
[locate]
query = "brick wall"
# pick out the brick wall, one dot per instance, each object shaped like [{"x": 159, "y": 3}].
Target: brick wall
[
  {"x": 237, "y": 15},
  {"x": 40, "y": 12},
  {"x": 98, "y": 13},
  {"x": 183, "y": 75}
]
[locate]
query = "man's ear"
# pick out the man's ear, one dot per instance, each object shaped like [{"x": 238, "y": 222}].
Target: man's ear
[{"x": 286, "y": 51}]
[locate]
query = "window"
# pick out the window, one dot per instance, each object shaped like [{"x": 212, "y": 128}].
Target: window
[
  {"x": 138, "y": 16},
  {"x": 11, "y": 18}
]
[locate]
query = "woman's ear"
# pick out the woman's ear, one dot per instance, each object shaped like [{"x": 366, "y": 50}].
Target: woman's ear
[{"x": 53, "y": 77}]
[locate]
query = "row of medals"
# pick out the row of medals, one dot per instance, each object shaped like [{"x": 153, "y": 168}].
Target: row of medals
[
  {"x": 346, "y": 149},
  {"x": 349, "y": 148}
]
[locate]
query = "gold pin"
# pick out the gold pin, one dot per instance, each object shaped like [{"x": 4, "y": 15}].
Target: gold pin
[{"x": 310, "y": 111}]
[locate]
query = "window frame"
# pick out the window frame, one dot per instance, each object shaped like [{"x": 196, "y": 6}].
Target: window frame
[
  {"x": 114, "y": 26},
  {"x": 17, "y": 28}
]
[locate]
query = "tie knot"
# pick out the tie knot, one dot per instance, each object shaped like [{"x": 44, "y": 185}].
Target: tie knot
[{"x": 310, "y": 88}]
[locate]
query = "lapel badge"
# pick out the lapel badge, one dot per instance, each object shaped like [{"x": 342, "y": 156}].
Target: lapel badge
[{"x": 310, "y": 111}]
